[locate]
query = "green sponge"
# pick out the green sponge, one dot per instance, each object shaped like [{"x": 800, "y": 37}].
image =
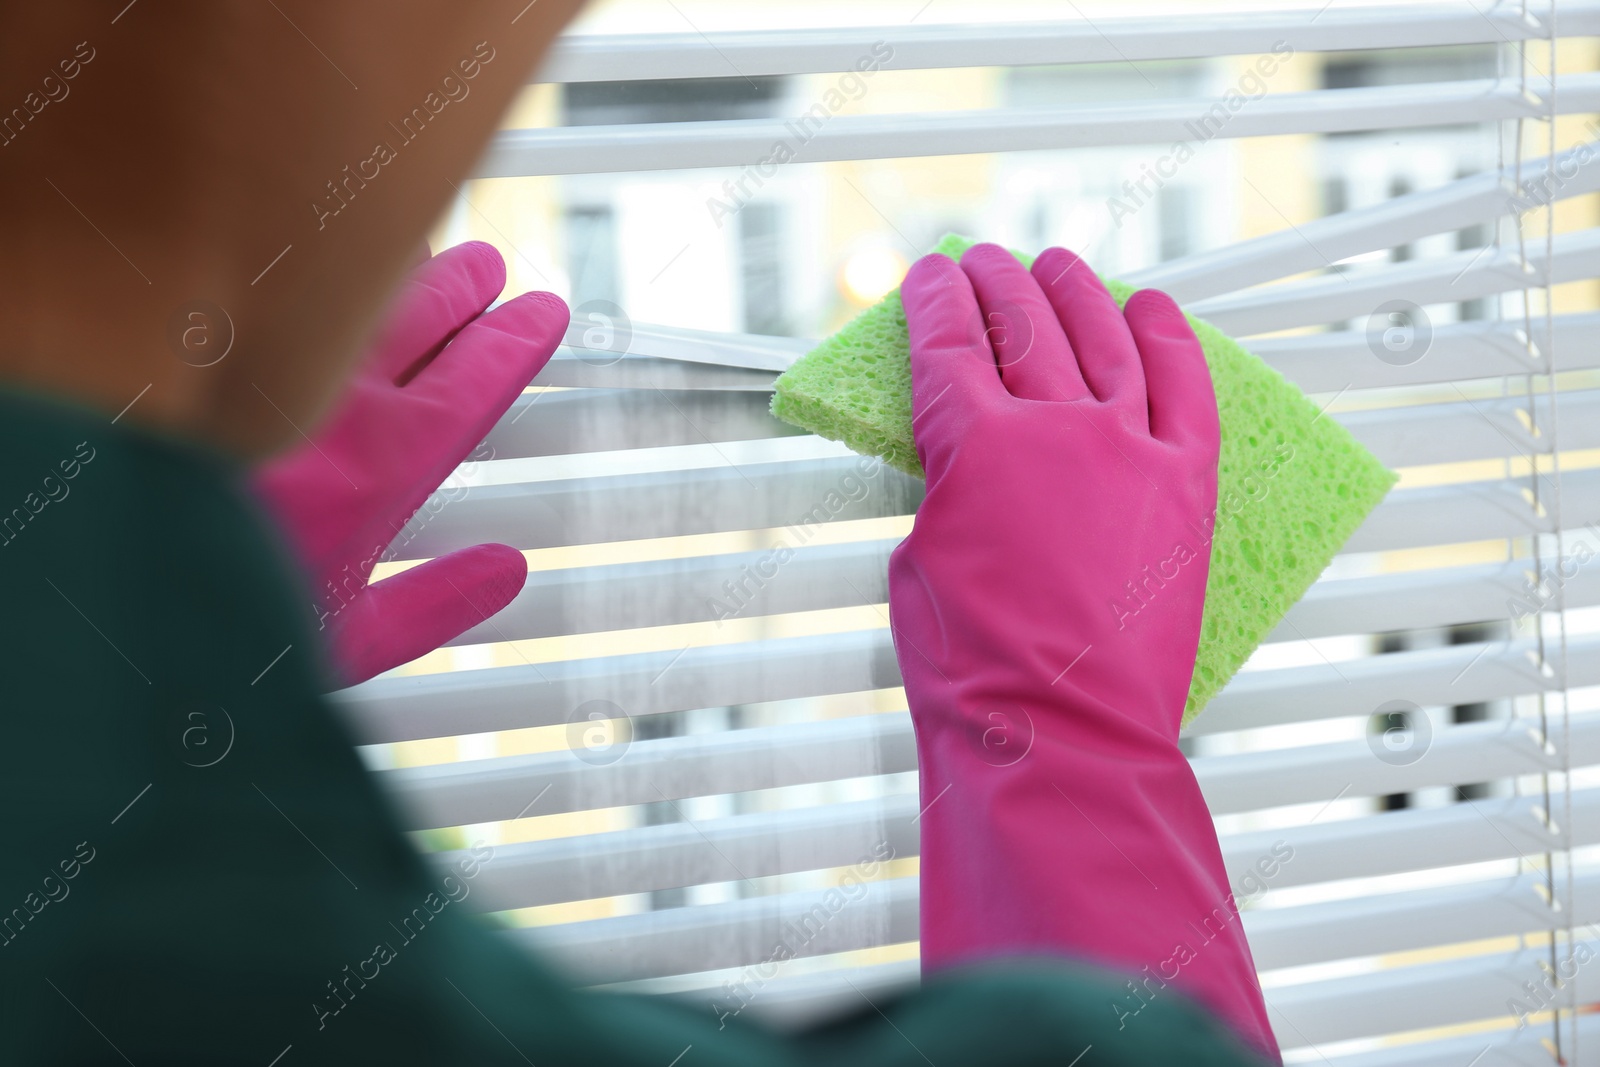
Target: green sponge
[{"x": 1291, "y": 486}]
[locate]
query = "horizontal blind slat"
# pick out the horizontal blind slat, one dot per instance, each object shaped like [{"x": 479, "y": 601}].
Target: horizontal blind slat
[
  {"x": 1524, "y": 1047},
  {"x": 565, "y": 780},
  {"x": 693, "y": 589},
  {"x": 744, "y": 932},
  {"x": 608, "y": 331},
  {"x": 736, "y": 934},
  {"x": 671, "y": 855},
  {"x": 1424, "y": 599},
  {"x": 628, "y": 507},
  {"x": 740, "y": 847},
  {"x": 515, "y": 697},
  {"x": 1412, "y": 998},
  {"x": 581, "y": 369},
  {"x": 406, "y": 708},
  {"x": 1384, "y": 923},
  {"x": 1430, "y": 677},
  {"x": 1457, "y": 431},
  {"x": 1469, "y": 511},
  {"x": 1456, "y": 755},
  {"x": 746, "y": 142},
  {"x": 605, "y": 420},
  {"x": 1443, "y": 280},
  {"x": 758, "y": 496},
  {"x": 731, "y": 761},
  {"x": 1416, "y": 839},
  {"x": 1456, "y": 205},
  {"x": 801, "y": 50},
  {"x": 1459, "y": 351}
]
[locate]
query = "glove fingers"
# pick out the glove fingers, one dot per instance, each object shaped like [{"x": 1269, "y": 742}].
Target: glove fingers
[
  {"x": 1036, "y": 362},
  {"x": 953, "y": 371},
  {"x": 1096, "y": 330},
  {"x": 442, "y": 295},
  {"x": 416, "y": 611},
  {"x": 1183, "y": 409},
  {"x": 490, "y": 362},
  {"x": 455, "y": 400}
]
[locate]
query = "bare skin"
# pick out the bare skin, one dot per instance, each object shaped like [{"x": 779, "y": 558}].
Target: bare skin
[{"x": 188, "y": 157}]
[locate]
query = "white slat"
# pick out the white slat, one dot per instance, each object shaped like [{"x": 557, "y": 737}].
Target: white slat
[
  {"x": 742, "y": 847},
  {"x": 1471, "y": 511},
  {"x": 506, "y": 698},
  {"x": 744, "y": 932},
  {"x": 576, "y": 369},
  {"x": 740, "y": 142},
  {"x": 1442, "y": 280},
  {"x": 452, "y": 794},
  {"x": 604, "y": 420},
  {"x": 1431, "y": 677},
  {"x": 645, "y": 683},
  {"x": 693, "y": 589},
  {"x": 1334, "y": 362},
  {"x": 718, "y": 349},
  {"x": 1376, "y": 925},
  {"x": 1508, "y": 1047},
  {"x": 1418, "y": 839},
  {"x": 736, "y": 934},
  {"x": 626, "y": 507},
  {"x": 1412, "y": 998},
  {"x": 1314, "y": 245},
  {"x": 674, "y": 769},
  {"x": 801, "y": 50},
  {"x": 669, "y": 855},
  {"x": 697, "y": 589},
  {"x": 1480, "y": 752},
  {"x": 1474, "y": 429},
  {"x": 591, "y": 510},
  {"x": 1421, "y": 600}
]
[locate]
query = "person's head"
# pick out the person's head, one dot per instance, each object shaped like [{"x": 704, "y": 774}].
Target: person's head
[{"x": 173, "y": 172}]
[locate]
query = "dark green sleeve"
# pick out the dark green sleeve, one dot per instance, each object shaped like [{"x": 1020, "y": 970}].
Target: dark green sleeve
[{"x": 199, "y": 870}]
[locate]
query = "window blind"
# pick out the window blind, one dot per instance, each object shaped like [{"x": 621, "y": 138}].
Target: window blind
[{"x": 685, "y": 755}]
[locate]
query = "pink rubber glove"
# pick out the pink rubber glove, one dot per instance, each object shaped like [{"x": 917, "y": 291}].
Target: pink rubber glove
[
  {"x": 439, "y": 376},
  {"x": 1046, "y": 611}
]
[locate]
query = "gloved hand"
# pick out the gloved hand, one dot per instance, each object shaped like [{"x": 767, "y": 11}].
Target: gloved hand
[
  {"x": 1046, "y": 611},
  {"x": 439, "y": 376}
]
